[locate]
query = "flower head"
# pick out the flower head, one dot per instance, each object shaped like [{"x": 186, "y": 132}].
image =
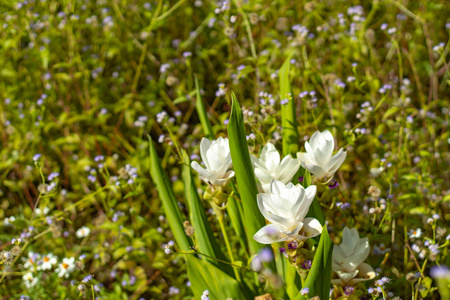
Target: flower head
[
  {"x": 83, "y": 232},
  {"x": 29, "y": 280},
  {"x": 319, "y": 159},
  {"x": 47, "y": 262},
  {"x": 349, "y": 257},
  {"x": 31, "y": 261},
  {"x": 268, "y": 167},
  {"x": 217, "y": 158},
  {"x": 285, "y": 207},
  {"x": 66, "y": 267}
]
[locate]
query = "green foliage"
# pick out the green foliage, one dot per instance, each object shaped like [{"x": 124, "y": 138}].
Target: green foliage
[
  {"x": 168, "y": 200},
  {"x": 205, "y": 239},
  {"x": 253, "y": 219},
  {"x": 83, "y": 83},
  {"x": 319, "y": 277},
  {"x": 202, "y": 114},
  {"x": 204, "y": 276},
  {"x": 288, "y": 112}
]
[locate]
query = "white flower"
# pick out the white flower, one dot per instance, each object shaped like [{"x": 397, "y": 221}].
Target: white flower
[
  {"x": 319, "y": 159},
  {"x": 83, "y": 232},
  {"x": 285, "y": 207},
  {"x": 43, "y": 212},
  {"x": 31, "y": 261},
  {"x": 417, "y": 233},
  {"x": 47, "y": 262},
  {"x": 66, "y": 267},
  {"x": 217, "y": 158},
  {"x": 268, "y": 167},
  {"x": 349, "y": 257},
  {"x": 29, "y": 280},
  {"x": 205, "y": 295},
  {"x": 380, "y": 250},
  {"x": 8, "y": 221}
]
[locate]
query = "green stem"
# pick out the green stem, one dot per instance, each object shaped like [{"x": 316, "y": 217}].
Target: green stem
[{"x": 219, "y": 213}]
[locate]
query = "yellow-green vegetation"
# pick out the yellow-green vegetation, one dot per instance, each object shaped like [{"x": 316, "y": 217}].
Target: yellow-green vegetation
[{"x": 144, "y": 149}]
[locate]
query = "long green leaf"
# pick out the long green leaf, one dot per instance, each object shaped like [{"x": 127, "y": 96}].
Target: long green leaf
[
  {"x": 292, "y": 279},
  {"x": 315, "y": 211},
  {"x": 234, "y": 209},
  {"x": 201, "y": 111},
  {"x": 319, "y": 277},
  {"x": 236, "y": 216},
  {"x": 171, "y": 209},
  {"x": 206, "y": 241},
  {"x": 253, "y": 219},
  {"x": 205, "y": 276},
  {"x": 288, "y": 115}
]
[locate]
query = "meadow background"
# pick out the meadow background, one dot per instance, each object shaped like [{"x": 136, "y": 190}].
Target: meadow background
[{"x": 83, "y": 84}]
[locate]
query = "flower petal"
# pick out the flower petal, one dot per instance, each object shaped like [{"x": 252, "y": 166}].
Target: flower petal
[
  {"x": 204, "y": 173},
  {"x": 336, "y": 161},
  {"x": 204, "y": 146},
  {"x": 270, "y": 157},
  {"x": 287, "y": 169},
  {"x": 269, "y": 234},
  {"x": 311, "y": 227}
]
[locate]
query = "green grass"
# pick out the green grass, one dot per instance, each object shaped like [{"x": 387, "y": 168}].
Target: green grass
[{"x": 80, "y": 79}]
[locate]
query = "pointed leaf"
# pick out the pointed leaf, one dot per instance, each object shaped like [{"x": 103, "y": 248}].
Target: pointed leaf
[
  {"x": 206, "y": 241},
  {"x": 205, "y": 276},
  {"x": 203, "y": 116},
  {"x": 315, "y": 211},
  {"x": 319, "y": 278},
  {"x": 288, "y": 114},
  {"x": 171, "y": 209},
  {"x": 242, "y": 165}
]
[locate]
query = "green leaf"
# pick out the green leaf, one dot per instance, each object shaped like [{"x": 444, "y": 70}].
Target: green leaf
[
  {"x": 234, "y": 209},
  {"x": 253, "y": 219},
  {"x": 288, "y": 115},
  {"x": 315, "y": 211},
  {"x": 319, "y": 277},
  {"x": 284, "y": 270},
  {"x": 446, "y": 198},
  {"x": 203, "y": 116},
  {"x": 206, "y": 242},
  {"x": 205, "y": 276},
  {"x": 171, "y": 209},
  {"x": 391, "y": 111}
]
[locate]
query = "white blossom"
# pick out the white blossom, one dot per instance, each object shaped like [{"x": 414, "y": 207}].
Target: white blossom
[
  {"x": 83, "y": 232},
  {"x": 348, "y": 259},
  {"x": 285, "y": 207},
  {"x": 66, "y": 267},
  {"x": 29, "y": 280},
  {"x": 47, "y": 262},
  {"x": 319, "y": 159},
  {"x": 268, "y": 167},
  {"x": 217, "y": 158}
]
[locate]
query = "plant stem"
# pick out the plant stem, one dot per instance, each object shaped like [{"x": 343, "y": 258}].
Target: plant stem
[{"x": 220, "y": 215}]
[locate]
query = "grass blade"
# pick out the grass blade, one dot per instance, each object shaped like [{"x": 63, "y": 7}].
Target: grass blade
[
  {"x": 171, "y": 209},
  {"x": 288, "y": 115},
  {"x": 202, "y": 115}
]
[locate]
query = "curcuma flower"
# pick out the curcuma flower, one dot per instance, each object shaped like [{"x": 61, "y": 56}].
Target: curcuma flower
[
  {"x": 319, "y": 159},
  {"x": 349, "y": 257},
  {"x": 268, "y": 167},
  {"x": 217, "y": 158},
  {"x": 285, "y": 207}
]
